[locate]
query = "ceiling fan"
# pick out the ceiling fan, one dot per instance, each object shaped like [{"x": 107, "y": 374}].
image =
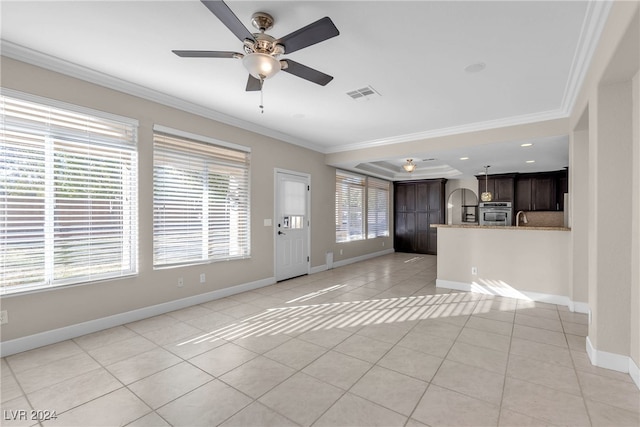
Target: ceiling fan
[{"x": 261, "y": 51}]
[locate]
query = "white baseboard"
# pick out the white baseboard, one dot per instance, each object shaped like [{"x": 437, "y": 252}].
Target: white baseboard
[
  {"x": 30, "y": 342},
  {"x": 318, "y": 269},
  {"x": 579, "y": 307},
  {"x": 512, "y": 293},
  {"x": 342, "y": 263},
  {"x": 348, "y": 261},
  {"x": 634, "y": 372},
  {"x": 613, "y": 361}
]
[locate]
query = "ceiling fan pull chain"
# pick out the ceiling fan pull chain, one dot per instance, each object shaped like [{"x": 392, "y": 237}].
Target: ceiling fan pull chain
[{"x": 261, "y": 96}]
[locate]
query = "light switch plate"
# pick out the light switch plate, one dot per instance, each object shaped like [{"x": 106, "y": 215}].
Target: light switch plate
[{"x": 267, "y": 222}]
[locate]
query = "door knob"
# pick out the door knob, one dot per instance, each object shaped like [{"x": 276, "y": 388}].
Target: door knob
[{"x": 280, "y": 232}]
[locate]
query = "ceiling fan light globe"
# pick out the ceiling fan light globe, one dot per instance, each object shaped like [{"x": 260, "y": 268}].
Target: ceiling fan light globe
[{"x": 261, "y": 65}]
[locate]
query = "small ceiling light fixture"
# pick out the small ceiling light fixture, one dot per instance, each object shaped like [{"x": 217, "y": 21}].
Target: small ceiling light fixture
[
  {"x": 464, "y": 158},
  {"x": 526, "y": 144},
  {"x": 486, "y": 196},
  {"x": 409, "y": 166},
  {"x": 531, "y": 161}
]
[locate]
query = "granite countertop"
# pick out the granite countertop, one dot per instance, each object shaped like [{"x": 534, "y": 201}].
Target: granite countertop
[{"x": 500, "y": 227}]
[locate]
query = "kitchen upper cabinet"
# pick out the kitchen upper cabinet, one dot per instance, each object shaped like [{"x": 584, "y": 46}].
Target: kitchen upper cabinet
[
  {"x": 417, "y": 205},
  {"x": 535, "y": 194},
  {"x": 501, "y": 187},
  {"x": 540, "y": 191}
]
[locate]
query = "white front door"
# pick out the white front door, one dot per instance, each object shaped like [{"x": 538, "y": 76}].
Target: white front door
[{"x": 292, "y": 225}]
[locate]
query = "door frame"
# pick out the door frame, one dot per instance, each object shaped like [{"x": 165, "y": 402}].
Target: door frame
[{"x": 307, "y": 176}]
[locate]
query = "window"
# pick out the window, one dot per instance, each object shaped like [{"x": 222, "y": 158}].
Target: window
[
  {"x": 351, "y": 202},
  {"x": 68, "y": 194},
  {"x": 349, "y": 207},
  {"x": 377, "y": 208},
  {"x": 200, "y": 199}
]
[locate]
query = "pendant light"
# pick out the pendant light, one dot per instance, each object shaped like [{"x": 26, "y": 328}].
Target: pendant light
[{"x": 486, "y": 196}]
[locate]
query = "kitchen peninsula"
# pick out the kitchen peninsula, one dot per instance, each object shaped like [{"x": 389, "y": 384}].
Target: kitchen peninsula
[{"x": 519, "y": 262}]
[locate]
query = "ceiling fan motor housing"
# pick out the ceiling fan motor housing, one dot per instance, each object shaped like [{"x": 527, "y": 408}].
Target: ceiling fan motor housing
[{"x": 262, "y": 21}]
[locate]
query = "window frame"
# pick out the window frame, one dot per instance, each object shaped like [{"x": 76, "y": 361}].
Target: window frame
[
  {"x": 61, "y": 132},
  {"x": 205, "y": 142},
  {"x": 361, "y": 182}
]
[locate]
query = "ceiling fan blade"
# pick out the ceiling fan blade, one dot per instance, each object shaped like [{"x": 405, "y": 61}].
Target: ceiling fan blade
[
  {"x": 205, "y": 54},
  {"x": 228, "y": 18},
  {"x": 313, "y": 33},
  {"x": 253, "y": 84},
  {"x": 306, "y": 73}
]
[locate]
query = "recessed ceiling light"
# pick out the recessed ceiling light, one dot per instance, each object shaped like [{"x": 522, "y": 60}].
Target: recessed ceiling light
[
  {"x": 531, "y": 161},
  {"x": 464, "y": 158},
  {"x": 475, "y": 68},
  {"x": 527, "y": 144}
]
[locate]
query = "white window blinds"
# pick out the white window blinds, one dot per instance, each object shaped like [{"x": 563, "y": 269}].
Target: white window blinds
[
  {"x": 68, "y": 195},
  {"x": 200, "y": 201},
  {"x": 349, "y": 206},
  {"x": 377, "y": 208}
]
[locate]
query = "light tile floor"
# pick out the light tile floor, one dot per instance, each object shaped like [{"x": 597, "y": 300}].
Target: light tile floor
[{"x": 372, "y": 343}]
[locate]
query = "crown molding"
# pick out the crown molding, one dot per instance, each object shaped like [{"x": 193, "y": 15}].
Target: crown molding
[
  {"x": 51, "y": 63},
  {"x": 453, "y": 130},
  {"x": 592, "y": 26}
]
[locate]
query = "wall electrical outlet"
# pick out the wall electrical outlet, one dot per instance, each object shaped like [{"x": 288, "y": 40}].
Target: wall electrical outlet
[
  {"x": 180, "y": 282},
  {"x": 203, "y": 278},
  {"x": 4, "y": 317},
  {"x": 474, "y": 270}
]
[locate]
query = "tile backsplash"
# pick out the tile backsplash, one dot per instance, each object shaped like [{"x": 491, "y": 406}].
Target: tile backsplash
[{"x": 543, "y": 219}]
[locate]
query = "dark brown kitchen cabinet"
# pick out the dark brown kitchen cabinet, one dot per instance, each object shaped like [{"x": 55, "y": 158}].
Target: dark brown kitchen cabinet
[
  {"x": 501, "y": 187},
  {"x": 405, "y": 231},
  {"x": 540, "y": 191},
  {"x": 535, "y": 194},
  {"x": 417, "y": 205}
]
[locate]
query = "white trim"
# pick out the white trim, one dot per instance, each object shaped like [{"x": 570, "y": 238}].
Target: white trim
[
  {"x": 348, "y": 261},
  {"x": 318, "y": 269},
  {"x": 613, "y": 361},
  {"x": 634, "y": 372},
  {"x": 450, "y": 284},
  {"x": 511, "y": 293},
  {"x": 453, "y": 130},
  {"x": 200, "y": 138},
  {"x": 579, "y": 307},
  {"x": 592, "y": 26},
  {"x": 54, "y": 103},
  {"x": 30, "y": 342}
]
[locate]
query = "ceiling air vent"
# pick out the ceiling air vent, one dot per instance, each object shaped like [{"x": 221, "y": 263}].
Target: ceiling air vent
[{"x": 363, "y": 93}]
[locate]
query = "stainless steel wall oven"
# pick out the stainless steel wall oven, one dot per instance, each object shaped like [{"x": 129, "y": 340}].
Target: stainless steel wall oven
[{"x": 495, "y": 213}]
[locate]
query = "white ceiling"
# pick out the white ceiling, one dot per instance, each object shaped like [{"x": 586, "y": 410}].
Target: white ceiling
[{"x": 413, "y": 54}]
